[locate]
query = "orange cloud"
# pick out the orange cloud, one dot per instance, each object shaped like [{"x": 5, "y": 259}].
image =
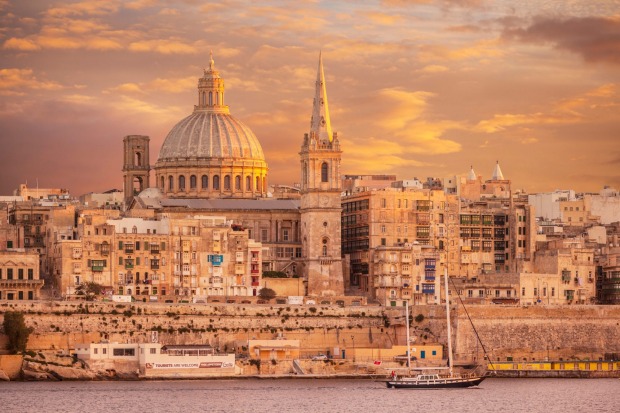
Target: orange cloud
[
  {"x": 162, "y": 46},
  {"x": 19, "y": 79},
  {"x": 383, "y": 18},
  {"x": 27, "y": 45},
  {"x": 91, "y": 8},
  {"x": 565, "y": 111}
]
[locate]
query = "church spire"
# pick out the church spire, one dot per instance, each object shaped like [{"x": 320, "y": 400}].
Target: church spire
[
  {"x": 472, "y": 175},
  {"x": 320, "y": 124},
  {"x": 497, "y": 173}
]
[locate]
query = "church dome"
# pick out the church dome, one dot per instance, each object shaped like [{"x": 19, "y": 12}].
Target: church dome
[
  {"x": 205, "y": 134},
  {"x": 210, "y": 153}
]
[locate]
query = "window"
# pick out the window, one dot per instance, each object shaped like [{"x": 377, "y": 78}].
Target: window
[
  {"x": 20, "y": 273},
  {"x": 170, "y": 183},
  {"x": 153, "y": 351},
  {"x": 125, "y": 352},
  {"x": 205, "y": 181},
  {"x": 523, "y": 292},
  {"x": 216, "y": 182},
  {"x": 192, "y": 182},
  {"x": 238, "y": 183},
  {"x": 227, "y": 183},
  {"x": 181, "y": 182},
  {"x": 248, "y": 183},
  {"x": 30, "y": 274},
  {"x": 285, "y": 235},
  {"x": 324, "y": 172}
]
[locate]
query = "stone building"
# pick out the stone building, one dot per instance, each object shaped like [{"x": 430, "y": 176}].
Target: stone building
[
  {"x": 572, "y": 262},
  {"x": 158, "y": 260},
  {"x": 405, "y": 273},
  {"x": 488, "y": 289},
  {"x": 393, "y": 217},
  {"x": 497, "y": 228},
  {"x": 19, "y": 275}
]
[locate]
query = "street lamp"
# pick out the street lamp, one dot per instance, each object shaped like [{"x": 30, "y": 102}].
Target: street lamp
[{"x": 353, "y": 340}]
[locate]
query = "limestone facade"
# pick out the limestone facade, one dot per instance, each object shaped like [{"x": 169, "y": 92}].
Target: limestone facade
[
  {"x": 394, "y": 217},
  {"x": 406, "y": 273},
  {"x": 19, "y": 275},
  {"x": 158, "y": 260},
  {"x": 572, "y": 262}
]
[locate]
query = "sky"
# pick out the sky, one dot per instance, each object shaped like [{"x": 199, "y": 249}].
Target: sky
[{"x": 416, "y": 88}]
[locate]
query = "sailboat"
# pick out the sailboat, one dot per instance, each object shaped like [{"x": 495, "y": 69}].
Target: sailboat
[{"x": 424, "y": 380}]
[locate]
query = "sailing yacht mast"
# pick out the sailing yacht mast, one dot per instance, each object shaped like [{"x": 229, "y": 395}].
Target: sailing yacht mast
[
  {"x": 408, "y": 340},
  {"x": 447, "y": 322}
]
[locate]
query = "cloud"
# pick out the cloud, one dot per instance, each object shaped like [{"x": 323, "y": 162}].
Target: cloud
[
  {"x": 12, "y": 80},
  {"x": 27, "y": 45},
  {"x": 565, "y": 111},
  {"x": 383, "y": 18},
  {"x": 434, "y": 69},
  {"x": 163, "y": 46},
  {"x": 596, "y": 39},
  {"x": 85, "y": 8},
  {"x": 481, "y": 49}
]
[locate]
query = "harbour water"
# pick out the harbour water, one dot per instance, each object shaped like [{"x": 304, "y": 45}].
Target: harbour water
[{"x": 308, "y": 395}]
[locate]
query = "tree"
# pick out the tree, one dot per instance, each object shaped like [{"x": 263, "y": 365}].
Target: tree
[
  {"x": 89, "y": 289},
  {"x": 16, "y": 330},
  {"x": 266, "y": 294}
]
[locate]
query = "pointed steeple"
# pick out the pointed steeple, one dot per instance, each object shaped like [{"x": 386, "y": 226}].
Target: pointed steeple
[
  {"x": 497, "y": 173},
  {"x": 472, "y": 175},
  {"x": 320, "y": 124},
  {"x": 211, "y": 90}
]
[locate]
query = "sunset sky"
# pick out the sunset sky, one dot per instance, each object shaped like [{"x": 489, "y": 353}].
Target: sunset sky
[{"x": 416, "y": 88}]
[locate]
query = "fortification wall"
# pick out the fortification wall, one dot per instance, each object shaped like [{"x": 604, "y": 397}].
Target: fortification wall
[{"x": 535, "y": 332}]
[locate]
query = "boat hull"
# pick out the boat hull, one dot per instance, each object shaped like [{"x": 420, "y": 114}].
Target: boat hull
[{"x": 447, "y": 383}]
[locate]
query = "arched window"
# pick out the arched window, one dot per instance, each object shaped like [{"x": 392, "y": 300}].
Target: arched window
[
  {"x": 170, "y": 183},
  {"x": 264, "y": 183},
  {"x": 258, "y": 184},
  {"x": 216, "y": 182},
  {"x": 210, "y": 98},
  {"x": 238, "y": 183},
  {"x": 181, "y": 182},
  {"x": 192, "y": 182},
  {"x": 134, "y": 230},
  {"x": 248, "y": 183},
  {"x": 205, "y": 182},
  {"x": 227, "y": 183},
  {"x": 218, "y": 98},
  {"x": 204, "y": 98},
  {"x": 324, "y": 172},
  {"x": 138, "y": 160},
  {"x": 325, "y": 247},
  {"x": 162, "y": 183}
]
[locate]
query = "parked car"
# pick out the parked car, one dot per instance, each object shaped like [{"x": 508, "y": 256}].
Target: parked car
[{"x": 319, "y": 357}]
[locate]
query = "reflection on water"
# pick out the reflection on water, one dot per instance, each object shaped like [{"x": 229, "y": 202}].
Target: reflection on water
[{"x": 311, "y": 395}]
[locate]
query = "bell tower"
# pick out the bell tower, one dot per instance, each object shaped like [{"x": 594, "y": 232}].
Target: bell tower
[
  {"x": 136, "y": 167},
  {"x": 320, "y": 199}
]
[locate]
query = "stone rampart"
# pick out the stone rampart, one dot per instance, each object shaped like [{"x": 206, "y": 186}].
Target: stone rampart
[{"x": 535, "y": 332}]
